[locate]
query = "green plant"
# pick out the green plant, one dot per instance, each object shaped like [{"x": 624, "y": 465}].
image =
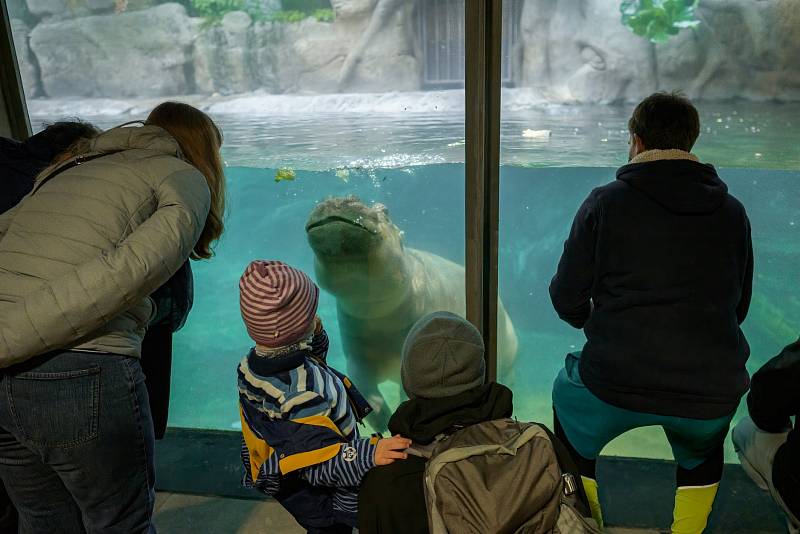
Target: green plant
[
  {"x": 214, "y": 10},
  {"x": 306, "y": 6},
  {"x": 324, "y": 15},
  {"x": 291, "y": 16},
  {"x": 287, "y": 16},
  {"x": 659, "y": 19}
]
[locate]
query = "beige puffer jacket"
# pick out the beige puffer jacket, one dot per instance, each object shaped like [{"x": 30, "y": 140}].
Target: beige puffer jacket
[{"x": 80, "y": 255}]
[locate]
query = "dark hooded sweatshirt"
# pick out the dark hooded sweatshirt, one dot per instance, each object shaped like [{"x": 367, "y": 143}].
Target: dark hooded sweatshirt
[
  {"x": 392, "y": 497},
  {"x": 773, "y": 400},
  {"x": 658, "y": 272},
  {"x": 19, "y": 165}
]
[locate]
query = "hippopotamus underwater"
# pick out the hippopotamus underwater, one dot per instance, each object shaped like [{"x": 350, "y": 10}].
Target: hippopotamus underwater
[{"x": 382, "y": 288}]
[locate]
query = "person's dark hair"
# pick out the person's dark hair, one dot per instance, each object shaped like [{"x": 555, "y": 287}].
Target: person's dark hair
[
  {"x": 666, "y": 121},
  {"x": 58, "y": 137}
]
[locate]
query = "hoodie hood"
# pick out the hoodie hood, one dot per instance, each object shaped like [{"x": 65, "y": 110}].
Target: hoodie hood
[
  {"x": 682, "y": 186},
  {"x": 421, "y": 420}
]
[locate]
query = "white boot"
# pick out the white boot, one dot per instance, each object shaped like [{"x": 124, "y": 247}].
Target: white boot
[{"x": 756, "y": 450}]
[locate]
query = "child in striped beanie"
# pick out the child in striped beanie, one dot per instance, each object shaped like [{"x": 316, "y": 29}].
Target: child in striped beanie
[{"x": 299, "y": 416}]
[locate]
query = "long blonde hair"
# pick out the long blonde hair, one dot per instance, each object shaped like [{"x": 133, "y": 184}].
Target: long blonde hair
[{"x": 200, "y": 141}]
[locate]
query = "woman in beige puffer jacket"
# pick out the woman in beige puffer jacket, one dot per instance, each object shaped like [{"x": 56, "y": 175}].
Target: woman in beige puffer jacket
[{"x": 78, "y": 258}]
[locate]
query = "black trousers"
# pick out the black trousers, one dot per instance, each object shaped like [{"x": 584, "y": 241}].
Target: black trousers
[{"x": 157, "y": 366}]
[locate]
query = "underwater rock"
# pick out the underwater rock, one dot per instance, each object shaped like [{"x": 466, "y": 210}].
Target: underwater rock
[
  {"x": 223, "y": 62},
  {"x": 139, "y": 53},
  {"x": 27, "y": 70},
  {"x": 382, "y": 288}
]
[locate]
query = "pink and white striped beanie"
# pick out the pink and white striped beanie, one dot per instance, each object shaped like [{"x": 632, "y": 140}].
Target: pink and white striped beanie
[{"x": 278, "y": 303}]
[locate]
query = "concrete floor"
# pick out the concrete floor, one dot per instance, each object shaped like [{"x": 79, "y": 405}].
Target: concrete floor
[{"x": 179, "y": 513}]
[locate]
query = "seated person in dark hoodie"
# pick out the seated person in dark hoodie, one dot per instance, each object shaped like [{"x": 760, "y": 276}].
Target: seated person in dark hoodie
[
  {"x": 766, "y": 442},
  {"x": 443, "y": 373},
  {"x": 21, "y": 162},
  {"x": 657, "y": 270}
]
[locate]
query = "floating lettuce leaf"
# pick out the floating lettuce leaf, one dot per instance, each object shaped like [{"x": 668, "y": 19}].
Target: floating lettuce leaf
[
  {"x": 657, "y": 20},
  {"x": 285, "y": 174}
]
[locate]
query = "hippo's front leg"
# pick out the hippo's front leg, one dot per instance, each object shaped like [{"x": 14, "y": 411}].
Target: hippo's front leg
[{"x": 366, "y": 380}]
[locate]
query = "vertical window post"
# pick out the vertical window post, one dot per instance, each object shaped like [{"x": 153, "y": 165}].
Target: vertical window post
[
  {"x": 484, "y": 20},
  {"x": 13, "y": 111}
]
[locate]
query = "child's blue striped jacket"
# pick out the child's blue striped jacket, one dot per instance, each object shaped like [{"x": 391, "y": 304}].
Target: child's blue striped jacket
[{"x": 300, "y": 439}]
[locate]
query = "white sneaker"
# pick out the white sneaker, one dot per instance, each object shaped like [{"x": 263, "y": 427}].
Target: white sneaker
[{"x": 756, "y": 450}]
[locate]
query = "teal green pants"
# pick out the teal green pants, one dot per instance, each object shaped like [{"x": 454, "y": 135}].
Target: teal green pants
[{"x": 590, "y": 423}]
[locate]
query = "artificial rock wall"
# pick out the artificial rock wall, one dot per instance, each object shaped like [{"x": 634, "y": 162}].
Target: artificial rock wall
[{"x": 569, "y": 51}]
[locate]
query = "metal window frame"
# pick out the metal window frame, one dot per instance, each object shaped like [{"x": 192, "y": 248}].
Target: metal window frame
[
  {"x": 14, "y": 119},
  {"x": 484, "y": 24},
  {"x": 432, "y": 77}
]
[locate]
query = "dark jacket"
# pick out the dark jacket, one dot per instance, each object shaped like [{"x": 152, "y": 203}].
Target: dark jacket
[
  {"x": 392, "y": 498},
  {"x": 658, "y": 272},
  {"x": 19, "y": 163},
  {"x": 774, "y": 398},
  {"x": 173, "y": 302}
]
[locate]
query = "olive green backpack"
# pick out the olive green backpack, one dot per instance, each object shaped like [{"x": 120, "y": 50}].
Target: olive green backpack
[{"x": 503, "y": 477}]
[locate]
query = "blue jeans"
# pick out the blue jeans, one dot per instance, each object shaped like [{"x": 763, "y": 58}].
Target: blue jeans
[{"x": 76, "y": 444}]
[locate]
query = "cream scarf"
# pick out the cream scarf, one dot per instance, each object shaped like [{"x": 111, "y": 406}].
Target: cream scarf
[{"x": 659, "y": 155}]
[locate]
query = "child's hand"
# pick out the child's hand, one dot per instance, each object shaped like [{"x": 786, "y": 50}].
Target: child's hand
[
  {"x": 317, "y": 324},
  {"x": 390, "y": 449}
]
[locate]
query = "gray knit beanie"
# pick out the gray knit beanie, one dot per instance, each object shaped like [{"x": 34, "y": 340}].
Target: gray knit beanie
[{"x": 442, "y": 357}]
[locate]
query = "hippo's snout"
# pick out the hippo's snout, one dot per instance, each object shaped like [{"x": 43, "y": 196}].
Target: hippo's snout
[{"x": 335, "y": 238}]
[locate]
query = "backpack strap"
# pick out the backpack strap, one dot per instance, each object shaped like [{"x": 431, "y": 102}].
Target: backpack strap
[
  {"x": 574, "y": 493},
  {"x": 74, "y": 162}
]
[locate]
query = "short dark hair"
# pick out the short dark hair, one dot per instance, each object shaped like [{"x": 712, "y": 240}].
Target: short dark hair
[
  {"x": 666, "y": 121},
  {"x": 58, "y": 137}
]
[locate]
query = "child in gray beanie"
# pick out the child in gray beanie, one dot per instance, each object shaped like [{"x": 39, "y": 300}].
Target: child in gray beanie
[
  {"x": 442, "y": 356},
  {"x": 444, "y": 375}
]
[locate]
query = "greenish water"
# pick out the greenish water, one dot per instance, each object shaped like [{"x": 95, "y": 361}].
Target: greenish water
[{"x": 266, "y": 220}]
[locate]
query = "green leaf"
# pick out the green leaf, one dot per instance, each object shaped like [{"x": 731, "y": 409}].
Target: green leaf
[{"x": 658, "y": 19}]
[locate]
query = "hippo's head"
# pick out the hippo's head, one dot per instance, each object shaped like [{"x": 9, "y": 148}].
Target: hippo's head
[{"x": 359, "y": 251}]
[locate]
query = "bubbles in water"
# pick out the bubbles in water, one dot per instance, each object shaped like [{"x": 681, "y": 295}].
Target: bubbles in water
[{"x": 343, "y": 175}]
